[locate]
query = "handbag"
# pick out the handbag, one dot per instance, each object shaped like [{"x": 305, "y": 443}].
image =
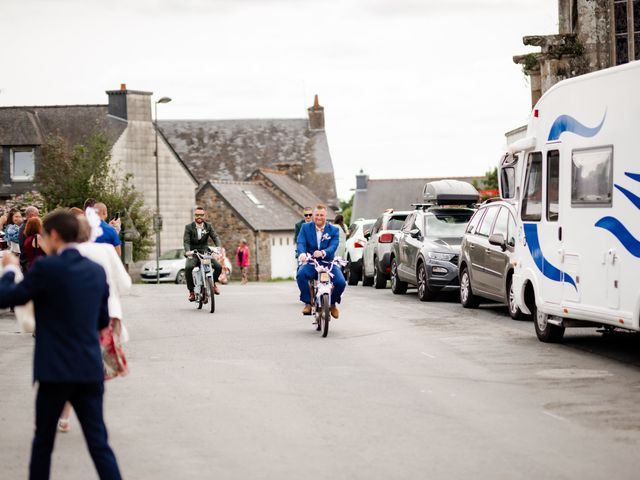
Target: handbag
[{"x": 114, "y": 361}]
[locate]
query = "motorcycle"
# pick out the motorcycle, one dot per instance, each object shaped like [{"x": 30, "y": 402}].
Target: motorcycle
[
  {"x": 203, "y": 280},
  {"x": 321, "y": 289}
]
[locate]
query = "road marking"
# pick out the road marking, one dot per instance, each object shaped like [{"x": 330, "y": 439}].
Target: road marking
[
  {"x": 428, "y": 355},
  {"x": 553, "y": 415}
]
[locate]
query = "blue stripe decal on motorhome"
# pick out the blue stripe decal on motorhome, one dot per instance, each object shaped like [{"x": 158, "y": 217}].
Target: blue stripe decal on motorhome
[
  {"x": 633, "y": 198},
  {"x": 633, "y": 176},
  {"x": 547, "y": 269},
  {"x": 566, "y": 123},
  {"x": 623, "y": 235}
]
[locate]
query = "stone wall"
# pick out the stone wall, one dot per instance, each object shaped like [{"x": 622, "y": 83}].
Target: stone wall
[
  {"x": 231, "y": 229},
  {"x": 134, "y": 153}
]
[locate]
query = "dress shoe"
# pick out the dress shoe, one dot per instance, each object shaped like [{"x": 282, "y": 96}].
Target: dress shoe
[
  {"x": 216, "y": 289},
  {"x": 192, "y": 297},
  {"x": 335, "y": 313},
  {"x": 306, "y": 310}
]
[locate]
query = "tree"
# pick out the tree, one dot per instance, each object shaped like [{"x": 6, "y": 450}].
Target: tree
[
  {"x": 66, "y": 177},
  {"x": 346, "y": 208}
]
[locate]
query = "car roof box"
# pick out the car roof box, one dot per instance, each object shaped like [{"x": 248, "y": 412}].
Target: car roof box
[{"x": 450, "y": 192}]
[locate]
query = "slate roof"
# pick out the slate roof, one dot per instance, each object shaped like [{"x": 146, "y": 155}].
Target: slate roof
[
  {"x": 233, "y": 149},
  {"x": 31, "y": 125},
  {"x": 274, "y": 215},
  {"x": 396, "y": 193}
]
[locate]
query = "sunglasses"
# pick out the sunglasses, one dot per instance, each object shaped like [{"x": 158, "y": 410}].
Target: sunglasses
[
  {"x": 199, "y": 214},
  {"x": 308, "y": 214}
]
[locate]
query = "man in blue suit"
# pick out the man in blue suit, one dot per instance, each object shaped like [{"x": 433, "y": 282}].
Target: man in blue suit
[
  {"x": 69, "y": 294},
  {"x": 320, "y": 240}
]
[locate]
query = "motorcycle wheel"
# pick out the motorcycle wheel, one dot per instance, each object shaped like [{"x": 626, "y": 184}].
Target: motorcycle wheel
[
  {"x": 212, "y": 296},
  {"x": 325, "y": 315},
  {"x": 200, "y": 299}
]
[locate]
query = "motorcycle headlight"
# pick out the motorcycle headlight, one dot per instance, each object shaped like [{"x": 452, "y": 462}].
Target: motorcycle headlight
[
  {"x": 324, "y": 277},
  {"x": 206, "y": 261},
  {"x": 440, "y": 256}
]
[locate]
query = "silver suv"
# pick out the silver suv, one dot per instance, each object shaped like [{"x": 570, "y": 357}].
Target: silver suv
[
  {"x": 377, "y": 252},
  {"x": 485, "y": 260},
  {"x": 426, "y": 250}
]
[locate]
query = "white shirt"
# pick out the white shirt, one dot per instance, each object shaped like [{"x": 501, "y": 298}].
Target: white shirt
[
  {"x": 319, "y": 236},
  {"x": 200, "y": 231}
]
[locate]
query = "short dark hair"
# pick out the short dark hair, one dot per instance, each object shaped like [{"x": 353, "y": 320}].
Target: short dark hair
[
  {"x": 89, "y": 202},
  {"x": 63, "y": 222},
  {"x": 199, "y": 208}
]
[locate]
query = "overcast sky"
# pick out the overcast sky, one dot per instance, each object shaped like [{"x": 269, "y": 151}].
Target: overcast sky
[{"x": 410, "y": 88}]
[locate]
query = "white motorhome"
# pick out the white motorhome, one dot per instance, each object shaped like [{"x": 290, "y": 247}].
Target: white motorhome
[{"x": 575, "y": 179}]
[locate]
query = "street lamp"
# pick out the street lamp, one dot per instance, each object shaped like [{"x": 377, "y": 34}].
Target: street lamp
[{"x": 157, "y": 221}]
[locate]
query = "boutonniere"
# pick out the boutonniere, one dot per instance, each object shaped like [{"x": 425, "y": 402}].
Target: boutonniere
[{"x": 326, "y": 237}]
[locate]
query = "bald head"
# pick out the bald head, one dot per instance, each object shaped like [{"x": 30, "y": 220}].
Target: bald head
[
  {"x": 101, "y": 209},
  {"x": 31, "y": 212}
]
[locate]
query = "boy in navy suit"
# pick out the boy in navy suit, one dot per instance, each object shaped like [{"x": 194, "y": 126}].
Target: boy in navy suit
[
  {"x": 69, "y": 294},
  {"x": 320, "y": 240}
]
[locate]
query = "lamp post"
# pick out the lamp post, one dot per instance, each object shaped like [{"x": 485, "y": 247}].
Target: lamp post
[{"x": 157, "y": 221}]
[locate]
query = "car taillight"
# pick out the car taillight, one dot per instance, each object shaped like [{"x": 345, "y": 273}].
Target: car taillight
[
  {"x": 385, "y": 238},
  {"x": 358, "y": 244}
]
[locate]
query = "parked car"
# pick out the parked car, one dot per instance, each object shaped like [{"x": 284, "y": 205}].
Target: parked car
[
  {"x": 376, "y": 263},
  {"x": 172, "y": 265},
  {"x": 425, "y": 252},
  {"x": 355, "y": 247},
  {"x": 485, "y": 267}
]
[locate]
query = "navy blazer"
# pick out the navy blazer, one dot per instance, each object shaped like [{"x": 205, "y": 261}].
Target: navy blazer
[
  {"x": 308, "y": 242},
  {"x": 69, "y": 294}
]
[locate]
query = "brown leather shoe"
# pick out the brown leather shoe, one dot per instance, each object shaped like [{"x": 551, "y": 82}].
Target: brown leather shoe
[
  {"x": 306, "y": 310},
  {"x": 216, "y": 289},
  {"x": 192, "y": 297},
  {"x": 335, "y": 313}
]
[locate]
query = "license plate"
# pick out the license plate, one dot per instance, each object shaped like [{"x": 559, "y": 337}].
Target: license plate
[
  {"x": 206, "y": 261},
  {"x": 324, "y": 277}
]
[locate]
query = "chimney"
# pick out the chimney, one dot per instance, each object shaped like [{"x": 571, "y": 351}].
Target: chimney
[
  {"x": 362, "y": 180},
  {"x": 130, "y": 105},
  {"x": 316, "y": 115}
]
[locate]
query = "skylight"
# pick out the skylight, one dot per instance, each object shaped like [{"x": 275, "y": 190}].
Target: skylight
[{"x": 253, "y": 198}]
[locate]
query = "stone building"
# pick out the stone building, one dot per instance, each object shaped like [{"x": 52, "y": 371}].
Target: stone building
[
  {"x": 593, "y": 35},
  {"x": 231, "y": 150},
  {"x": 374, "y": 196},
  {"x": 126, "y": 121}
]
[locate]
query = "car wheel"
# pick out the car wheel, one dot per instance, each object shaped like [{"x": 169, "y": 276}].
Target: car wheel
[
  {"x": 180, "y": 278},
  {"x": 366, "y": 281},
  {"x": 379, "y": 278},
  {"x": 398, "y": 287},
  {"x": 425, "y": 294},
  {"x": 514, "y": 310},
  {"x": 353, "y": 275},
  {"x": 467, "y": 298},
  {"x": 545, "y": 331}
]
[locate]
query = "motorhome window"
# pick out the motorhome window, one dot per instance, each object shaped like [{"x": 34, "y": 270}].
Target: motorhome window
[
  {"x": 553, "y": 185},
  {"x": 592, "y": 177},
  {"x": 512, "y": 232},
  {"x": 447, "y": 225},
  {"x": 502, "y": 223},
  {"x": 475, "y": 220},
  {"x": 532, "y": 201},
  {"x": 508, "y": 182},
  {"x": 487, "y": 221}
]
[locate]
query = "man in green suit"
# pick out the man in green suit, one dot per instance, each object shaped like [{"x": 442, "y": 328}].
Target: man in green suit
[{"x": 196, "y": 239}]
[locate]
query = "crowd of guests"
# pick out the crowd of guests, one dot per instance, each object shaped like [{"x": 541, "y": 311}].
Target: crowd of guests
[{"x": 71, "y": 253}]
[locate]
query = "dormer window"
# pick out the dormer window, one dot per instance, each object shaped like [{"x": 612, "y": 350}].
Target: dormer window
[
  {"x": 626, "y": 25},
  {"x": 253, "y": 198},
  {"x": 23, "y": 166}
]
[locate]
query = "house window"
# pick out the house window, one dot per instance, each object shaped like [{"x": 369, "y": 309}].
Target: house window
[
  {"x": 23, "y": 166},
  {"x": 253, "y": 198},
  {"x": 626, "y": 28},
  {"x": 592, "y": 177}
]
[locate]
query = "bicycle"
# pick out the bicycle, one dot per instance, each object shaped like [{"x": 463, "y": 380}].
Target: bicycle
[
  {"x": 203, "y": 281},
  {"x": 320, "y": 289}
]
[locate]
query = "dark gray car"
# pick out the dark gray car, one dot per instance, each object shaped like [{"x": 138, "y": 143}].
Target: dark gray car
[
  {"x": 485, "y": 261},
  {"x": 426, "y": 250}
]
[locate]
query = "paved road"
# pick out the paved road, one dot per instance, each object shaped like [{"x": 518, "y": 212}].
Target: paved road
[{"x": 400, "y": 390}]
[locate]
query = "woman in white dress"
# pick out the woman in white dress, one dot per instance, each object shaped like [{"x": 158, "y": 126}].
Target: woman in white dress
[{"x": 118, "y": 279}]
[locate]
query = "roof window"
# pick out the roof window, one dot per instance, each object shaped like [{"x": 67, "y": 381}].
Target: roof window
[{"x": 253, "y": 198}]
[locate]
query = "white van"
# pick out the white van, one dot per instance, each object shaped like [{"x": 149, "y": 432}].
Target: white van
[{"x": 575, "y": 179}]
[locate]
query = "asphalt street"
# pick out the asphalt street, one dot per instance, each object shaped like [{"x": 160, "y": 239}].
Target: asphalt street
[{"x": 399, "y": 390}]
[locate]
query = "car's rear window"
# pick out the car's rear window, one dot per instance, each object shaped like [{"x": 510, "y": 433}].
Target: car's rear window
[
  {"x": 396, "y": 222},
  {"x": 444, "y": 225}
]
